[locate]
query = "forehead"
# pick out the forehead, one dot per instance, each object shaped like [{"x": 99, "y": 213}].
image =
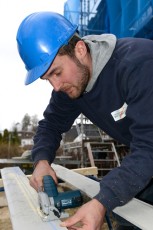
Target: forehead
[
  {"x": 61, "y": 61},
  {"x": 58, "y": 61},
  {"x": 55, "y": 65}
]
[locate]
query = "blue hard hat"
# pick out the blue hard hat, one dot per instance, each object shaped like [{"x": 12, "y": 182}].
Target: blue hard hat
[{"x": 39, "y": 37}]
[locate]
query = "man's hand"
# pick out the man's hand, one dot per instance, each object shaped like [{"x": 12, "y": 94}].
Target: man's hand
[
  {"x": 42, "y": 168},
  {"x": 90, "y": 216}
]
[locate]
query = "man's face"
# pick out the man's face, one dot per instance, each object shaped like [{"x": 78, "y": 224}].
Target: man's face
[
  {"x": 71, "y": 75},
  {"x": 68, "y": 75}
]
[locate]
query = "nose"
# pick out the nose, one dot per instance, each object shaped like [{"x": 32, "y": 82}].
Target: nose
[{"x": 56, "y": 83}]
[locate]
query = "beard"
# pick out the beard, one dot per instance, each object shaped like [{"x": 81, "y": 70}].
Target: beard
[{"x": 75, "y": 91}]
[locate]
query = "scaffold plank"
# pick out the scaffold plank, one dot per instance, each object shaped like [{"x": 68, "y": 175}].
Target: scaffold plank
[{"x": 23, "y": 202}]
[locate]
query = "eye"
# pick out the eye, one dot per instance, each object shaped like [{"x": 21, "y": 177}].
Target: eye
[
  {"x": 44, "y": 79},
  {"x": 58, "y": 74}
]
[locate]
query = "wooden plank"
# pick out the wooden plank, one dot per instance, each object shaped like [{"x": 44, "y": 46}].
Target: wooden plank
[
  {"x": 87, "y": 171},
  {"x": 23, "y": 202},
  {"x": 137, "y": 212},
  {"x": 77, "y": 180},
  {"x": 90, "y": 155},
  {"x": 83, "y": 171},
  {"x": 15, "y": 161}
]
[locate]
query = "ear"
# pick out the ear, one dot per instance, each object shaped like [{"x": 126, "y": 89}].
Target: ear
[{"x": 80, "y": 50}]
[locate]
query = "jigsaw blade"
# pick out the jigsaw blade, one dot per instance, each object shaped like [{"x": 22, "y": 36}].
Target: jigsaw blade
[{"x": 46, "y": 210}]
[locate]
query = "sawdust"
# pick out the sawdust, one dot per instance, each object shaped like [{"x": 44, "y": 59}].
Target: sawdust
[{"x": 5, "y": 222}]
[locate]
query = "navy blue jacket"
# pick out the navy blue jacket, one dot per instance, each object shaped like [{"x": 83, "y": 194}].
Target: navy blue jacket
[{"x": 127, "y": 79}]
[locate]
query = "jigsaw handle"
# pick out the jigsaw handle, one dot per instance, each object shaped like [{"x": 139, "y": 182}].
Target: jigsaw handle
[
  {"x": 49, "y": 186},
  {"x": 63, "y": 200}
]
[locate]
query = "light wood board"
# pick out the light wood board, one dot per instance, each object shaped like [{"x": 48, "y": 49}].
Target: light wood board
[{"x": 23, "y": 202}]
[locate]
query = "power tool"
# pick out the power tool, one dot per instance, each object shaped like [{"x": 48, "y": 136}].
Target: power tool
[{"x": 53, "y": 203}]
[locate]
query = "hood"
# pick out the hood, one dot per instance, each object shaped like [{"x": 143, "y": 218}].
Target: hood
[{"x": 101, "y": 48}]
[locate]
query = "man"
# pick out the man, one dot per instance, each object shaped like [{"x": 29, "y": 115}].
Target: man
[{"x": 110, "y": 81}]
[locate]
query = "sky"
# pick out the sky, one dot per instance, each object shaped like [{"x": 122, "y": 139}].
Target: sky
[{"x": 16, "y": 99}]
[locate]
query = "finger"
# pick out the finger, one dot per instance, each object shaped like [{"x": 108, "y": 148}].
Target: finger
[
  {"x": 36, "y": 184},
  {"x": 79, "y": 228},
  {"x": 72, "y": 228},
  {"x": 70, "y": 221},
  {"x": 53, "y": 175},
  {"x": 33, "y": 183}
]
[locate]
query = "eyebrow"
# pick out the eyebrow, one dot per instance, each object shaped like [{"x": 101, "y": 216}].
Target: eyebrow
[{"x": 50, "y": 72}]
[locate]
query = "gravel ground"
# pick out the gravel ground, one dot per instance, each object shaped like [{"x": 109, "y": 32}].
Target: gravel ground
[{"x": 5, "y": 222}]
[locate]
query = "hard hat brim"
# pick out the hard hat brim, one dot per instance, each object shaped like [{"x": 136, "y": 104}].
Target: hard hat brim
[{"x": 39, "y": 71}]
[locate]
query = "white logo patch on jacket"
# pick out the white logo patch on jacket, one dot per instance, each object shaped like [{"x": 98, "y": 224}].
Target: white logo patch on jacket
[{"x": 120, "y": 113}]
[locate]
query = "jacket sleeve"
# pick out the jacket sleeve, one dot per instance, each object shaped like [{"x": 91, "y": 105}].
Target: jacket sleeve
[
  {"x": 58, "y": 118},
  {"x": 123, "y": 183}
]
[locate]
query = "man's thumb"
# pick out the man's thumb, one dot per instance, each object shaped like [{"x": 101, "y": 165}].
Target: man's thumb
[{"x": 70, "y": 221}]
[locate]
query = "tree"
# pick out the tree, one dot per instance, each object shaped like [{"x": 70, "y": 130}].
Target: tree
[
  {"x": 14, "y": 137},
  {"x": 26, "y": 122},
  {"x": 1, "y": 137},
  {"x": 34, "y": 122},
  {"x": 5, "y": 137}
]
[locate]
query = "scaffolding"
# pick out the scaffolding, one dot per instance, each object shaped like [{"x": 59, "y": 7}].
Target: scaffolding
[
  {"x": 86, "y": 17},
  {"x": 124, "y": 18}
]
